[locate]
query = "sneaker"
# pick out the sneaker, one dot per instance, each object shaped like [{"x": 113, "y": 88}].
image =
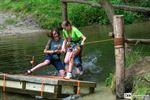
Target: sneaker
[
  {"x": 68, "y": 76},
  {"x": 28, "y": 72}
]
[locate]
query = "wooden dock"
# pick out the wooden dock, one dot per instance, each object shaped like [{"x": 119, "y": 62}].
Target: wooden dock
[{"x": 51, "y": 87}]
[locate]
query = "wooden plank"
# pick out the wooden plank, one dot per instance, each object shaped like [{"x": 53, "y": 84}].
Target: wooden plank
[
  {"x": 35, "y": 79},
  {"x": 137, "y": 41},
  {"x": 28, "y": 86},
  {"x": 12, "y": 84},
  {"x": 67, "y": 90},
  {"x": 32, "y": 93},
  {"x": 84, "y": 90},
  {"x": 32, "y": 85},
  {"x": 37, "y": 87},
  {"x": 74, "y": 83},
  {"x": 52, "y": 81}
]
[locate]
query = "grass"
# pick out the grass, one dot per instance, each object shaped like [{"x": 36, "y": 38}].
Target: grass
[
  {"x": 47, "y": 12},
  {"x": 10, "y": 21},
  {"x": 133, "y": 56},
  {"x": 141, "y": 86}
]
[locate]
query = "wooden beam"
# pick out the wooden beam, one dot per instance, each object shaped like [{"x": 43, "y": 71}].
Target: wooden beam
[
  {"x": 64, "y": 12},
  {"x": 82, "y": 2},
  {"x": 132, "y": 8},
  {"x": 136, "y": 41},
  {"x": 118, "y": 27},
  {"x": 121, "y": 7}
]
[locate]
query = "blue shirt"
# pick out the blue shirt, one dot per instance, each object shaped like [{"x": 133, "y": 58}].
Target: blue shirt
[{"x": 54, "y": 45}]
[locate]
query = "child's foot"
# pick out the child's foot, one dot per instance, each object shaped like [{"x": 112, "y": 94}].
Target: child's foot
[
  {"x": 68, "y": 76},
  {"x": 28, "y": 72}
]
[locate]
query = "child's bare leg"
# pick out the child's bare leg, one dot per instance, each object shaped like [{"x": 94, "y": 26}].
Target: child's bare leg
[
  {"x": 67, "y": 57},
  {"x": 46, "y": 62},
  {"x": 71, "y": 63}
]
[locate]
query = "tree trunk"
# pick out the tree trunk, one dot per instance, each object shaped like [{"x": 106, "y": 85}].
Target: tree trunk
[
  {"x": 118, "y": 27},
  {"x": 108, "y": 9}
]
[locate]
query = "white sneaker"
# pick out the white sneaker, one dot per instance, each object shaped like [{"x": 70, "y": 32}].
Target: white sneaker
[{"x": 68, "y": 76}]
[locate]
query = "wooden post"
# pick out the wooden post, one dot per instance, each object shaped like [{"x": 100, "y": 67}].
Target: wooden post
[
  {"x": 118, "y": 27},
  {"x": 64, "y": 12}
]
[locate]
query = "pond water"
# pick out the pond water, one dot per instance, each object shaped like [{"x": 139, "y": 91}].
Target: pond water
[{"x": 98, "y": 58}]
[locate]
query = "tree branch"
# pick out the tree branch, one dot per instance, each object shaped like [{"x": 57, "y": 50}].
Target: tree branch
[{"x": 121, "y": 7}]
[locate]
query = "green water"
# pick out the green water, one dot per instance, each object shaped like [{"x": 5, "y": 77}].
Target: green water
[{"x": 98, "y": 58}]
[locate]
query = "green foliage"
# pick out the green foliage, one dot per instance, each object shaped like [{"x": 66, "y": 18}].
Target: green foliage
[
  {"x": 115, "y": 1},
  {"x": 141, "y": 87},
  {"x": 10, "y": 21},
  {"x": 82, "y": 15},
  {"x": 129, "y": 17},
  {"x": 133, "y": 56},
  {"x": 48, "y": 12},
  {"x": 109, "y": 79}
]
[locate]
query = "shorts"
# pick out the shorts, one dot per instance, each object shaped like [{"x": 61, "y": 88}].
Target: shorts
[
  {"x": 76, "y": 60},
  {"x": 59, "y": 65},
  {"x": 73, "y": 47},
  {"x": 76, "y": 46}
]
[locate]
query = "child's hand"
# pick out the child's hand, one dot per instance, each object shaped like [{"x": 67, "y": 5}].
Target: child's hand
[
  {"x": 58, "y": 51},
  {"x": 63, "y": 50}
]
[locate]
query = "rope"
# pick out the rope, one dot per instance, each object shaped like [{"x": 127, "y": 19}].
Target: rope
[
  {"x": 78, "y": 87},
  {"x": 92, "y": 42},
  {"x": 42, "y": 88},
  {"x": 4, "y": 83}
]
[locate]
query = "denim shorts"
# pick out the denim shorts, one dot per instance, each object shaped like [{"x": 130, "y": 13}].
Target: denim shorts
[
  {"x": 76, "y": 60},
  {"x": 73, "y": 47},
  {"x": 59, "y": 65}
]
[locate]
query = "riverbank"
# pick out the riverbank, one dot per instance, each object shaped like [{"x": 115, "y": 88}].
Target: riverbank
[{"x": 11, "y": 24}]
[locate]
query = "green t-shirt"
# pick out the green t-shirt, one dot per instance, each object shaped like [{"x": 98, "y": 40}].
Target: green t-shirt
[{"x": 75, "y": 34}]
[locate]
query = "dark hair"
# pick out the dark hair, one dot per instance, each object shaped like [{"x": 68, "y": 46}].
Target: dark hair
[
  {"x": 50, "y": 34},
  {"x": 57, "y": 30},
  {"x": 65, "y": 23}
]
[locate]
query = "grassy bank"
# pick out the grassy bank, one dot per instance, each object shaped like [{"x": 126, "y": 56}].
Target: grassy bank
[
  {"x": 141, "y": 86},
  {"x": 137, "y": 65},
  {"x": 48, "y": 12}
]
